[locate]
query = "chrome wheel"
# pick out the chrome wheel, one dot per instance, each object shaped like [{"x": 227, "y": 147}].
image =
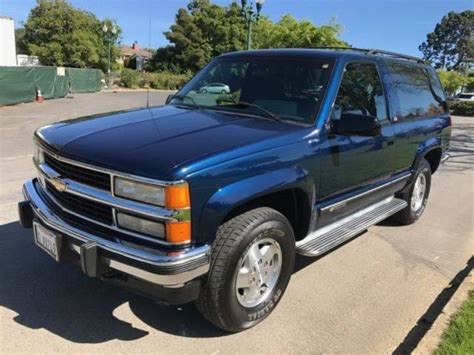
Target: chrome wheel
[
  {"x": 418, "y": 193},
  {"x": 258, "y": 272}
]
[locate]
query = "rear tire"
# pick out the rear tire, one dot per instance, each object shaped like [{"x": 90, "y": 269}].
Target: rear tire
[
  {"x": 238, "y": 293},
  {"x": 416, "y": 195}
]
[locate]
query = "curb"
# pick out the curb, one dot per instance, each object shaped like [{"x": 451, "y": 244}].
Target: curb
[
  {"x": 432, "y": 338},
  {"x": 134, "y": 90}
]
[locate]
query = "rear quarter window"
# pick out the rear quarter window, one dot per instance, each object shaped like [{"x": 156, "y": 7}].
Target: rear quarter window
[{"x": 418, "y": 90}]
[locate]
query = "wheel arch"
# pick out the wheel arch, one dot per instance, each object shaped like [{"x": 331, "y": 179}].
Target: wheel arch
[
  {"x": 431, "y": 150},
  {"x": 273, "y": 189},
  {"x": 433, "y": 157}
]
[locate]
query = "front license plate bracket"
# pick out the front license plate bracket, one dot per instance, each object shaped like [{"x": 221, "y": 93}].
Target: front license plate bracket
[{"x": 48, "y": 241}]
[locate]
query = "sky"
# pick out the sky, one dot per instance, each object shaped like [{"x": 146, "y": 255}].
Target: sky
[{"x": 395, "y": 25}]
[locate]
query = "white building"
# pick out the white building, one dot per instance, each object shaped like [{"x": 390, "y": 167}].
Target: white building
[{"x": 7, "y": 42}]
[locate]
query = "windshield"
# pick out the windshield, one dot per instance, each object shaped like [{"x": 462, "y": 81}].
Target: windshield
[{"x": 285, "y": 88}]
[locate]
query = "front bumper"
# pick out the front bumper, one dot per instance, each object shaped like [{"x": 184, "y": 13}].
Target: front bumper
[{"x": 102, "y": 257}]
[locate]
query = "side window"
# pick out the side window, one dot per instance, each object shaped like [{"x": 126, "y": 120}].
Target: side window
[
  {"x": 418, "y": 91},
  {"x": 361, "y": 92},
  {"x": 437, "y": 89}
]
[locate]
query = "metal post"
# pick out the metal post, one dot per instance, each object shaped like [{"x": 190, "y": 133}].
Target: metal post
[
  {"x": 108, "y": 70},
  {"x": 249, "y": 33},
  {"x": 109, "y": 34},
  {"x": 251, "y": 17}
]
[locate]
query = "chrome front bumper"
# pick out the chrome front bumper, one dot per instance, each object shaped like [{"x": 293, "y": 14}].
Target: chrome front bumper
[{"x": 165, "y": 270}]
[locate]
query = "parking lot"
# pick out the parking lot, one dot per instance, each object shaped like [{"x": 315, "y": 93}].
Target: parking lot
[{"x": 371, "y": 295}]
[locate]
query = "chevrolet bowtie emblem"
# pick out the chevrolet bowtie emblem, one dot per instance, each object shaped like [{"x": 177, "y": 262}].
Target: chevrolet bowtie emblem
[{"x": 58, "y": 184}]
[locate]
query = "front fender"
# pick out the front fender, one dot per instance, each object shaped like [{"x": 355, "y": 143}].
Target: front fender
[{"x": 226, "y": 198}]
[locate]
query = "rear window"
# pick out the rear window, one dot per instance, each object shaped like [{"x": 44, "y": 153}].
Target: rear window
[{"x": 418, "y": 90}]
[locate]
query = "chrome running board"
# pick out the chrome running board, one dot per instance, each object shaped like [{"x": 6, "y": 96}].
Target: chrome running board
[{"x": 328, "y": 237}]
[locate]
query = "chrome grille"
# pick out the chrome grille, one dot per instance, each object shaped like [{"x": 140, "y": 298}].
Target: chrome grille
[
  {"x": 86, "y": 176},
  {"x": 79, "y": 205}
]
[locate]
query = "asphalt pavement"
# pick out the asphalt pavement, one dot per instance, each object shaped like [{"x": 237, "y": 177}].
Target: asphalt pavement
[{"x": 370, "y": 296}]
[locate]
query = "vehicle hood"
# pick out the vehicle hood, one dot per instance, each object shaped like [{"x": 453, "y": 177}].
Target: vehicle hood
[{"x": 154, "y": 142}]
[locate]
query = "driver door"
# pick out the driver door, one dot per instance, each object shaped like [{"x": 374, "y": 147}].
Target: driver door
[{"x": 351, "y": 164}]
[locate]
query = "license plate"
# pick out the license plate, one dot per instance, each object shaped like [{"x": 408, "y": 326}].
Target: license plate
[{"x": 47, "y": 240}]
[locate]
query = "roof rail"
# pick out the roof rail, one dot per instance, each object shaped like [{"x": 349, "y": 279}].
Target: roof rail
[
  {"x": 377, "y": 52},
  {"x": 395, "y": 55}
]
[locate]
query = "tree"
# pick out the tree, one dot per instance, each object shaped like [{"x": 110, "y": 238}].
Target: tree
[
  {"x": 451, "y": 42},
  {"x": 19, "y": 41},
  {"x": 451, "y": 81},
  {"x": 61, "y": 35},
  {"x": 470, "y": 83},
  {"x": 204, "y": 30},
  {"x": 291, "y": 33}
]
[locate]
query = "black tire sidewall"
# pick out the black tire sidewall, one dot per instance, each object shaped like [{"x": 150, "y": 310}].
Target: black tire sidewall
[
  {"x": 425, "y": 169},
  {"x": 282, "y": 233}
]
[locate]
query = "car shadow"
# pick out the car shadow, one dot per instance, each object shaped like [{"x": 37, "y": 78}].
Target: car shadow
[
  {"x": 461, "y": 149},
  {"x": 302, "y": 261},
  {"x": 62, "y": 300}
]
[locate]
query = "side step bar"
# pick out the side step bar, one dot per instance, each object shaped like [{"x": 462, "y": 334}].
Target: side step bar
[{"x": 328, "y": 237}]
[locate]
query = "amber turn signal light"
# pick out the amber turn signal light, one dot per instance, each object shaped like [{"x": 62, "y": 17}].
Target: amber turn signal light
[
  {"x": 178, "y": 232},
  {"x": 177, "y": 196}
]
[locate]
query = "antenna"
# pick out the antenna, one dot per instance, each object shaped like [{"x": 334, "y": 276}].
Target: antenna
[{"x": 149, "y": 47}]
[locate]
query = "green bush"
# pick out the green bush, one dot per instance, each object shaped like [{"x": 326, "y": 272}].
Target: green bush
[
  {"x": 130, "y": 78},
  {"x": 163, "y": 80},
  {"x": 462, "y": 108}
]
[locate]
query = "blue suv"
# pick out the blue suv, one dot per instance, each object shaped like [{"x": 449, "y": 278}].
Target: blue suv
[{"x": 210, "y": 197}]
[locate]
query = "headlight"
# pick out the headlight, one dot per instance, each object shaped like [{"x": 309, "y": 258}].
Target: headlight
[
  {"x": 140, "y": 225},
  {"x": 173, "y": 196},
  {"x": 39, "y": 155},
  {"x": 139, "y": 191}
]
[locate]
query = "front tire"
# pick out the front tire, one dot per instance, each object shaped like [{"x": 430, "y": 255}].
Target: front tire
[
  {"x": 416, "y": 195},
  {"x": 251, "y": 264}
]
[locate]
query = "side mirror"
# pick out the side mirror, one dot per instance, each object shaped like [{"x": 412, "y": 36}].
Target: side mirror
[
  {"x": 169, "y": 98},
  {"x": 354, "y": 124}
]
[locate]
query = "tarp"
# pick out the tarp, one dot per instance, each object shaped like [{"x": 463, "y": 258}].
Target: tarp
[
  {"x": 16, "y": 85},
  {"x": 44, "y": 81},
  {"x": 84, "y": 80},
  {"x": 52, "y": 82},
  {"x": 19, "y": 84}
]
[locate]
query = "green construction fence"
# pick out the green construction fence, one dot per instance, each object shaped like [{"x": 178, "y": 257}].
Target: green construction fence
[
  {"x": 19, "y": 84},
  {"x": 84, "y": 80}
]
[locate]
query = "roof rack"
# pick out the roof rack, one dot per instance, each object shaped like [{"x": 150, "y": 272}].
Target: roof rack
[
  {"x": 395, "y": 55},
  {"x": 377, "y": 52}
]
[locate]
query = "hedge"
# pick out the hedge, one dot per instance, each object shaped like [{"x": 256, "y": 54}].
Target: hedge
[
  {"x": 163, "y": 80},
  {"x": 462, "y": 108}
]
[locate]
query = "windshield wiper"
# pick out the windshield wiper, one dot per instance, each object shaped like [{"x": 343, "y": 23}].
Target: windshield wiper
[
  {"x": 269, "y": 114},
  {"x": 182, "y": 97}
]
